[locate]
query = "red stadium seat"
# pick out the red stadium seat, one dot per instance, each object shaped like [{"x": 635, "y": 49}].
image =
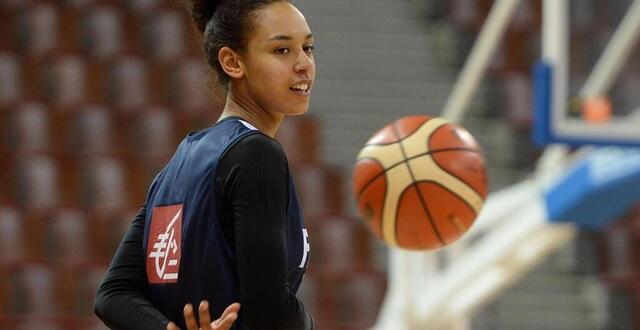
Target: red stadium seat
[
  {"x": 93, "y": 131},
  {"x": 104, "y": 184},
  {"x": 65, "y": 80},
  {"x": 12, "y": 236},
  {"x": 10, "y": 78},
  {"x": 38, "y": 32},
  {"x": 188, "y": 86},
  {"x": 152, "y": 132},
  {"x": 102, "y": 32},
  {"x": 164, "y": 35},
  {"x": 29, "y": 128},
  {"x": 37, "y": 291},
  {"x": 127, "y": 83},
  {"x": 37, "y": 183},
  {"x": 67, "y": 238}
]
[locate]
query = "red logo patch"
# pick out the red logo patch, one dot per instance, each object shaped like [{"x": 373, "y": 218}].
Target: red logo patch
[{"x": 163, "y": 246}]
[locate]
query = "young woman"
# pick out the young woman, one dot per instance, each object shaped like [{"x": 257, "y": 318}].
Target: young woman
[{"x": 221, "y": 222}]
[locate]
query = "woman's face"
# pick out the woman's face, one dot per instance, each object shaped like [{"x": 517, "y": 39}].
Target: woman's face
[{"x": 279, "y": 65}]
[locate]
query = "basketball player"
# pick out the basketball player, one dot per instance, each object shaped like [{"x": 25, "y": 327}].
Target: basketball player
[{"x": 221, "y": 222}]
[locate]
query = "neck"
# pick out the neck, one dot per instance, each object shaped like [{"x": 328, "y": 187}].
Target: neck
[{"x": 265, "y": 121}]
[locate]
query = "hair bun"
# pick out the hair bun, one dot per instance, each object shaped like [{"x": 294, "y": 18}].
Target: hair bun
[{"x": 202, "y": 11}]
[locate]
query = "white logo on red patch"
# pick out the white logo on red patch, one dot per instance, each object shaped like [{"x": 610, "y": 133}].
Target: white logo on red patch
[{"x": 163, "y": 247}]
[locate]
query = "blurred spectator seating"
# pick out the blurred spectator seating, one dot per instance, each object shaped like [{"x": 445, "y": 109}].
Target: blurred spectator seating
[
  {"x": 104, "y": 184},
  {"x": 13, "y": 238},
  {"x": 37, "y": 182},
  {"x": 10, "y": 78},
  {"x": 349, "y": 300},
  {"x": 164, "y": 33},
  {"x": 618, "y": 246},
  {"x": 151, "y": 132},
  {"x": 64, "y": 80},
  {"x": 92, "y": 132},
  {"x": 142, "y": 6},
  {"x": 299, "y": 137},
  {"x": 518, "y": 99},
  {"x": 319, "y": 188},
  {"x": 102, "y": 32},
  {"x": 339, "y": 243},
  {"x": 67, "y": 239},
  {"x": 126, "y": 83},
  {"x": 36, "y": 29},
  {"x": 28, "y": 128},
  {"x": 185, "y": 84}
]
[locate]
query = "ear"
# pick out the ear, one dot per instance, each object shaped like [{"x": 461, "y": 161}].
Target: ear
[{"x": 230, "y": 62}]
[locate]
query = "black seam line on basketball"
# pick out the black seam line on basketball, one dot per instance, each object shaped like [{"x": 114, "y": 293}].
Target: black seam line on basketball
[
  {"x": 386, "y": 190},
  {"x": 452, "y": 192},
  {"x": 420, "y": 197},
  {"x": 384, "y": 194},
  {"x": 403, "y": 161},
  {"x": 442, "y": 168},
  {"x": 460, "y": 179},
  {"x": 408, "y": 135}
]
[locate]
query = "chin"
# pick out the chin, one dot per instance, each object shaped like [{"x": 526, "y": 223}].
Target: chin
[{"x": 297, "y": 111}]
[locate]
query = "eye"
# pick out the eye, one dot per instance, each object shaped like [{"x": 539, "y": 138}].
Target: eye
[
  {"x": 308, "y": 49},
  {"x": 281, "y": 51}
]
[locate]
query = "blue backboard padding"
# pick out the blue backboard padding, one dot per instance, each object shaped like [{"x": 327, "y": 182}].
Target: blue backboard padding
[
  {"x": 598, "y": 190},
  {"x": 542, "y": 73}
]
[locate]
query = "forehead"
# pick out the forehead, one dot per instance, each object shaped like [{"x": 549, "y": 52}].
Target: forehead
[{"x": 280, "y": 18}]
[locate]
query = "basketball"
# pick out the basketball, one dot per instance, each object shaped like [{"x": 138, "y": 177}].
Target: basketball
[{"x": 420, "y": 182}]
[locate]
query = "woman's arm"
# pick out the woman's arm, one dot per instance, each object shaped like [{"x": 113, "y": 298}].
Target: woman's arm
[
  {"x": 122, "y": 301},
  {"x": 253, "y": 177},
  {"x": 122, "y": 298}
]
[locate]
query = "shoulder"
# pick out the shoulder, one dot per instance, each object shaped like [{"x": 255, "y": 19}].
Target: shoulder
[
  {"x": 257, "y": 148},
  {"x": 256, "y": 162},
  {"x": 254, "y": 159}
]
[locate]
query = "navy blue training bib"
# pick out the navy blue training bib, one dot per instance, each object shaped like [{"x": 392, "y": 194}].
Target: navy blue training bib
[{"x": 188, "y": 258}]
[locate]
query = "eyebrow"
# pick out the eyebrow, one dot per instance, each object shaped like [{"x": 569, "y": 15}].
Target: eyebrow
[{"x": 284, "y": 37}]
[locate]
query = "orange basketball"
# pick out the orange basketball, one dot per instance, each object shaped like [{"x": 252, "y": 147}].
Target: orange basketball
[{"x": 420, "y": 182}]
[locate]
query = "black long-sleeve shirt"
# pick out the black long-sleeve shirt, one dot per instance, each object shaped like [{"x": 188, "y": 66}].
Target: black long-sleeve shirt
[{"x": 251, "y": 181}]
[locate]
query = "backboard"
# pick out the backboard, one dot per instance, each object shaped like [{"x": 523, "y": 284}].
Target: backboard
[{"x": 584, "y": 115}]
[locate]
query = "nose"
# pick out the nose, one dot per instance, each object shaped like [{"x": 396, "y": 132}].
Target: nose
[{"x": 304, "y": 62}]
